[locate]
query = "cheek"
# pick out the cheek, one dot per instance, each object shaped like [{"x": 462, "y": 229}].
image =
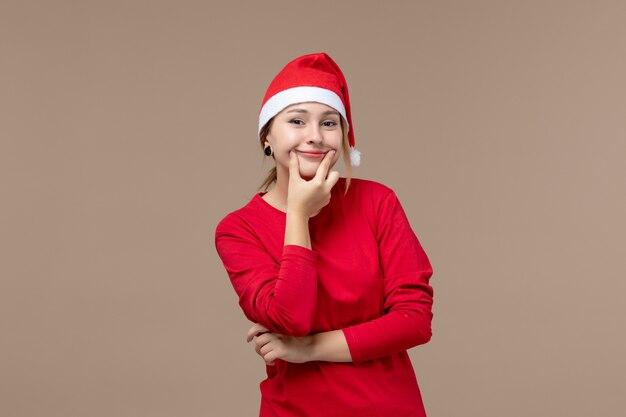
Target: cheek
[
  {"x": 337, "y": 142},
  {"x": 286, "y": 140}
]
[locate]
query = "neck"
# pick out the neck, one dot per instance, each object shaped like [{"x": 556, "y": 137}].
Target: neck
[{"x": 278, "y": 193}]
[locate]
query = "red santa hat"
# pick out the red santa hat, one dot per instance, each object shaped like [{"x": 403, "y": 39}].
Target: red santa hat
[{"x": 313, "y": 77}]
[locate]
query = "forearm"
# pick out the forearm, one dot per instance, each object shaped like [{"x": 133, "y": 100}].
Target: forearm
[
  {"x": 329, "y": 346},
  {"x": 287, "y": 305},
  {"x": 278, "y": 290},
  {"x": 394, "y": 332},
  {"x": 297, "y": 229}
]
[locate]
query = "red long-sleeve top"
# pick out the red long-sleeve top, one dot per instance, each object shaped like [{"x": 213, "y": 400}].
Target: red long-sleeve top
[{"x": 366, "y": 274}]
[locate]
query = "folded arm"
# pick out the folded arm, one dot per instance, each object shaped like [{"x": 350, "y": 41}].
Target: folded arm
[
  {"x": 281, "y": 295},
  {"x": 408, "y": 299}
]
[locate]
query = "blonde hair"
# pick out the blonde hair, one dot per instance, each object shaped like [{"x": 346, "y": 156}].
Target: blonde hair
[{"x": 271, "y": 176}]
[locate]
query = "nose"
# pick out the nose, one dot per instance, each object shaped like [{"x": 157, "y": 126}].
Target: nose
[{"x": 315, "y": 134}]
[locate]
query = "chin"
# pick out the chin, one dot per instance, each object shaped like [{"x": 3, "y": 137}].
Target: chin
[{"x": 307, "y": 175}]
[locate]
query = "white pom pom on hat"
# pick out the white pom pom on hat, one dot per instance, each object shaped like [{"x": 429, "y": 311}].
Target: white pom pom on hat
[{"x": 313, "y": 77}]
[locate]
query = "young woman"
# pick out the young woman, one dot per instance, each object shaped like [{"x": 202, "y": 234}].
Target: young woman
[{"x": 328, "y": 268}]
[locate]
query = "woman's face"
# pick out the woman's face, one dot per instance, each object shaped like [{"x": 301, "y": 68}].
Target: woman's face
[{"x": 311, "y": 130}]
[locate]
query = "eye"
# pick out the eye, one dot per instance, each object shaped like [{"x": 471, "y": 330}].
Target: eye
[
  {"x": 329, "y": 123},
  {"x": 296, "y": 121}
]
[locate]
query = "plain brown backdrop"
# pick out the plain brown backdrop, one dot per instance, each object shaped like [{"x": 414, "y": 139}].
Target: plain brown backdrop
[{"x": 128, "y": 129}]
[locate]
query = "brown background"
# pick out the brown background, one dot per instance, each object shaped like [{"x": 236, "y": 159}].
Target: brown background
[{"x": 128, "y": 130}]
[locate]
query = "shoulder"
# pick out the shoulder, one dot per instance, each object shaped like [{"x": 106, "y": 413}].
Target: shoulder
[
  {"x": 237, "y": 221},
  {"x": 365, "y": 185},
  {"x": 369, "y": 189},
  {"x": 368, "y": 197}
]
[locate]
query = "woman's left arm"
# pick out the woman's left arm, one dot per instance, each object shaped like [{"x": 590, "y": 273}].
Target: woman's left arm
[{"x": 408, "y": 296}]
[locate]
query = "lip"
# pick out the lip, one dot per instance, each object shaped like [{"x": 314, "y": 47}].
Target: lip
[{"x": 312, "y": 154}]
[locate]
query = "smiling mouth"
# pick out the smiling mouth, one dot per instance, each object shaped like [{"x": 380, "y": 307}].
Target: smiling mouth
[{"x": 312, "y": 154}]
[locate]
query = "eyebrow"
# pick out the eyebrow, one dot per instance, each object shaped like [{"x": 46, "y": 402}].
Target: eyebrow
[{"x": 335, "y": 112}]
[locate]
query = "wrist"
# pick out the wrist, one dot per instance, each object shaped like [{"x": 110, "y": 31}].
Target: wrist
[
  {"x": 311, "y": 352},
  {"x": 297, "y": 213},
  {"x": 330, "y": 346},
  {"x": 297, "y": 229}
]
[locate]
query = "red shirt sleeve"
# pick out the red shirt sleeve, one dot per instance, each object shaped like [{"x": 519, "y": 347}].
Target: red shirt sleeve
[
  {"x": 281, "y": 296},
  {"x": 408, "y": 297}
]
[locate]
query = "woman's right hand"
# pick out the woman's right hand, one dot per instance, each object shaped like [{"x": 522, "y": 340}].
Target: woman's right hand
[{"x": 309, "y": 197}]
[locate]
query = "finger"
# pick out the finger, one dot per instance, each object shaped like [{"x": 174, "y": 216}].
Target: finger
[
  {"x": 331, "y": 180},
  {"x": 294, "y": 165},
  {"x": 258, "y": 348},
  {"x": 262, "y": 341},
  {"x": 267, "y": 348},
  {"x": 253, "y": 331},
  {"x": 256, "y": 330},
  {"x": 270, "y": 357},
  {"x": 322, "y": 170}
]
